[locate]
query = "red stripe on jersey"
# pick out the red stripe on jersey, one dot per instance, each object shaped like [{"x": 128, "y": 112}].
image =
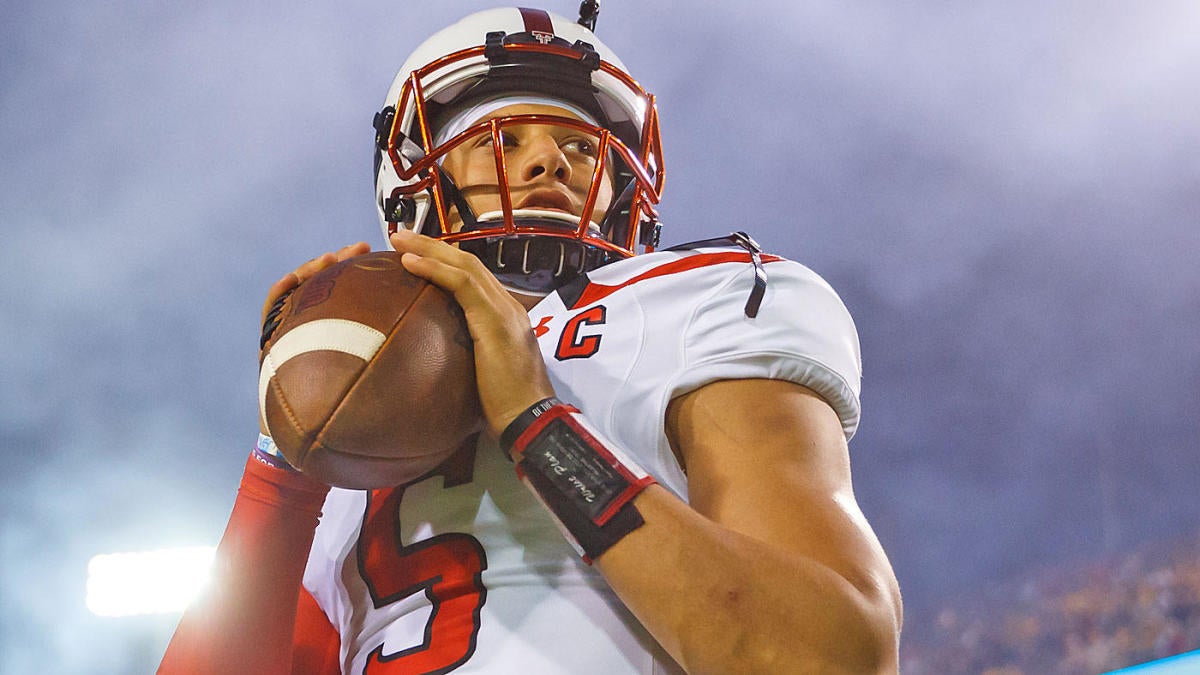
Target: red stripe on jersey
[
  {"x": 596, "y": 292},
  {"x": 537, "y": 21}
]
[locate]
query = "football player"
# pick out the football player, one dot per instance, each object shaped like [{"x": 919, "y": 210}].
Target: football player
[{"x": 664, "y": 483}]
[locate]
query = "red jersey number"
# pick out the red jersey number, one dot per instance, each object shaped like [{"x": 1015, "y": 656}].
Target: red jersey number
[{"x": 447, "y": 567}]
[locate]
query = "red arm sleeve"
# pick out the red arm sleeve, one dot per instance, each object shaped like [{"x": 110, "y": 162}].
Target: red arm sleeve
[
  {"x": 317, "y": 643},
  {"x": 247, "y": 621}
]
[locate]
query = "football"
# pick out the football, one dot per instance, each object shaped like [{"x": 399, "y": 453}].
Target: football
[{"x": 368, "y": 375}]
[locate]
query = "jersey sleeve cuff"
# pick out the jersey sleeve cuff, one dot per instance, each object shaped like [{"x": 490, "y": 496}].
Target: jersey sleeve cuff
[
  {"x": 804, "y": 371},
  {"x": 265, "y": 482}
]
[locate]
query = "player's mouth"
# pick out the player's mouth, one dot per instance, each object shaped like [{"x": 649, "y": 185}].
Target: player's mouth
[{"x": 550, "y": 199}]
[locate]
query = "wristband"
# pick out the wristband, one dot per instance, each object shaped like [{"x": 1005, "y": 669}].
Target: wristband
[
  {"x": 518, "y": 426},
  {"x": 586, "y": 482},
  {"x": 266, "y": 452}
]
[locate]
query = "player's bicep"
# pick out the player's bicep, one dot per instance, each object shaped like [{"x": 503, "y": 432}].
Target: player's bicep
[{"x": 768, "y": 459}]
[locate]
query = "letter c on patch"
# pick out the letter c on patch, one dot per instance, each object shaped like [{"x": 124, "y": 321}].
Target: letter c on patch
[{"x": 571, "y": 345}]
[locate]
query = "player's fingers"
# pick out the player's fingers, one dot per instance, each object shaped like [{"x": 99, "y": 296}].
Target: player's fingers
[
  {"x": 305, "y": 271},
  {"x": 462, "y": 283},
  {"x": 508, "y": 365},
  {"x": 469, "y": 269},
  {"x": 287, "y": 283},
  {"x": 406, "y": 241},
  {"x": 352, "y": 250},
  {"x": 294, "y": 278}
]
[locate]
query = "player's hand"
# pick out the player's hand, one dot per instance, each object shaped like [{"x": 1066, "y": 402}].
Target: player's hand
[
  {"x": 304, "y": 272},
  {"x": 509, "y": 369},
  {"x": 291, "y": 280}
]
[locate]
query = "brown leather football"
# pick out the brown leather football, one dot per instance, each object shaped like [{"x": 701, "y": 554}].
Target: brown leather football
[{"x": 368, "y": 378}]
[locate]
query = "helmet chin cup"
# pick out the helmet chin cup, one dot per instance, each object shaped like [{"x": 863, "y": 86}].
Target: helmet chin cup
[{"x": 537, "y": 262}]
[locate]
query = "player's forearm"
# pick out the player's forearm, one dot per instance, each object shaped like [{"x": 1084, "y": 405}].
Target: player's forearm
[
  {"x": 722, "y": 602},
  {"x": 245, "y": 622}
]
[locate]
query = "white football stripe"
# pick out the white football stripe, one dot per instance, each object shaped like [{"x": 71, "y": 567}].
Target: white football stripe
[{"x": 339, "y": 335}]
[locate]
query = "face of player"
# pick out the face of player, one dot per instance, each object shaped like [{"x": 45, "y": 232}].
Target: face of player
[{"x": 549, "y": 167}]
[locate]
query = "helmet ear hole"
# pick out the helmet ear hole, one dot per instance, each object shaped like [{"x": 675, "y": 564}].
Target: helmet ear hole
[{"x": 383, "y": 127}]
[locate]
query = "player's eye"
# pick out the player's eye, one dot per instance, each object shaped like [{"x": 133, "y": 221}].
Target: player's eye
[
  {"x": 507, "y": 140},
  {"x": 580, "y": 146}
]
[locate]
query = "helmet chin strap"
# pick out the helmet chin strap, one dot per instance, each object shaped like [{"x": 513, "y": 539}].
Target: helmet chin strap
[{"x": 450, "y": 189}]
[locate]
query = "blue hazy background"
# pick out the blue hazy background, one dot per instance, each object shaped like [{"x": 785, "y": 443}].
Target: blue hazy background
[{"x": 1005, "y": 194}]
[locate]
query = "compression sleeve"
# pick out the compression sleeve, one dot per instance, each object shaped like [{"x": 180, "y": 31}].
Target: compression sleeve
[
  {"x": 317, "y": 647},
  {"x": 246, "y": 623}
]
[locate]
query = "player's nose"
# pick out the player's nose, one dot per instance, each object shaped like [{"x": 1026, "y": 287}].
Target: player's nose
[{"x": 543, "y": 160}]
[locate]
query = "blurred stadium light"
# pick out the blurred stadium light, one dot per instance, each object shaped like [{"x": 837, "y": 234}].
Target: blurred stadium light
[{"x": 147, "y": 582}]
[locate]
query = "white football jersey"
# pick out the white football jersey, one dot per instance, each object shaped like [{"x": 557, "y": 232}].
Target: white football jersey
[{"x": 465, "y": 571}]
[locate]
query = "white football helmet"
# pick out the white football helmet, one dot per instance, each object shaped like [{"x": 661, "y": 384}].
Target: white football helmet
[{"x": 508, "y": 54}]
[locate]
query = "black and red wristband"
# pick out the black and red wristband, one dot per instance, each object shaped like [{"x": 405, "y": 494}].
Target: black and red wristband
[
  {"x": 586, "y": 481},
  {"x": 517, "y": 427}
]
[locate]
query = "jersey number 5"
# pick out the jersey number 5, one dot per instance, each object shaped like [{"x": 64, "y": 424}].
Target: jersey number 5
[{"x": 447, "y": 567}]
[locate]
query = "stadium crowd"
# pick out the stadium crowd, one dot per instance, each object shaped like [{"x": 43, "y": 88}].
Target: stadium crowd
[{"x": 1077, "y": 620}]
